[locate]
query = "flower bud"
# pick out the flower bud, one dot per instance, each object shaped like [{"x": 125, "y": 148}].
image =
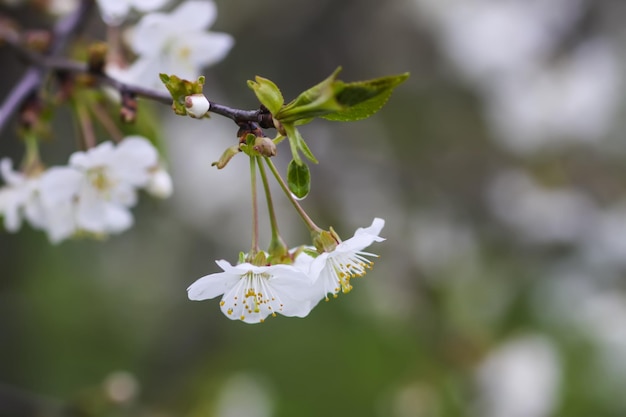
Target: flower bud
[
  {"x": 265, "y": 146},
  {"x": 160, "y": 184},
  {"x": 197, "y": 105}
]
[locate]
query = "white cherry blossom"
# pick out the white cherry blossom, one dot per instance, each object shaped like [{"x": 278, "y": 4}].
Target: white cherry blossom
[
  {"x": 95, "y": 191},
  {"x": 114, "y": 11},
  {"x": 175, "y": 43},
  {"x": 251, "y": 293},
  {"x": 19, "y": 198},
  {"x": 333, "y": 270}
]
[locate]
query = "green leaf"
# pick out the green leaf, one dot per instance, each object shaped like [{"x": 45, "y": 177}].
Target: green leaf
[
  {"x": 268, "y": 93},
  {"x": 297, "y": 143},
  {"x": 314, "y": 102},
  {"x": 364, "y": 98},
  {"x": 179, "y": 89},
  {"x": 333, "y": 99},
  {"x": 298, "y": 179}
]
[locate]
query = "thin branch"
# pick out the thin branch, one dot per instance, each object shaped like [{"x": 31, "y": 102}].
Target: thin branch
[
  {"x": 31, "y": 81},
  {"x": 41, "y": 64}
]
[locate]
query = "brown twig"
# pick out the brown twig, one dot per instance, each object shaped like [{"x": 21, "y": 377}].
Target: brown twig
[
  {"x": 51, "y": 62},
  {"x": 31, "y": 81}
]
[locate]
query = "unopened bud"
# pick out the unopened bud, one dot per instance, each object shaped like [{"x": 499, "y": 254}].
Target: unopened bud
[
  {"x": 265, "y": 146},
  {"x": 197, "y": 105},
  {"x": 160, "y": 184}
]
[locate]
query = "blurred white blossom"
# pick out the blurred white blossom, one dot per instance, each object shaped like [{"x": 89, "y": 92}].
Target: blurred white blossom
[
  {"x": 537, "y": 93},
  {"x": 520, "y": 378},
  {"x": 439, "y": 241},
  {"x": 243, "y": 394},
  {"x": 175, "y": 43},
  {"x": 538, "y": 214},
  {"x": 19, "y": 198},
  {"x": 114, "y": 11},
  {"x": 99, "y": 186},
  {"x": 574, "y": 99},
  {"x": 487, "y": 39},
  {"x": 93, "y": 194},
  {"x": 160, "y": 183},
  {"x": 605, "y": 243}
]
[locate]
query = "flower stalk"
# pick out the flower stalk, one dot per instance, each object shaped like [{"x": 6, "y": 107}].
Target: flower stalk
[
  {"x": 255, "y": 211},
  {"x": 278, "y": 249},
  {"x": 313, "y": 228}
]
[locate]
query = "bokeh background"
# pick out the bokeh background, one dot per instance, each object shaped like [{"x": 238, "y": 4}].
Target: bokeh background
[{"x": 499, "y": 167}]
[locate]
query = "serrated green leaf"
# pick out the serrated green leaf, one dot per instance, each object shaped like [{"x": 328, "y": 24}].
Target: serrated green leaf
[
  {"x": 298, "y": 179},
  {"x": 314, "y": 102},
  {"x": 364, "y": 98},
  {"x": 268, "y": 93},
  {"x": 333, "y": 99}
]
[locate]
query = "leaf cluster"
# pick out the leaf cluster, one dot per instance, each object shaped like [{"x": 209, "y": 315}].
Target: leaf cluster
[{"x": 331, "y": 99}]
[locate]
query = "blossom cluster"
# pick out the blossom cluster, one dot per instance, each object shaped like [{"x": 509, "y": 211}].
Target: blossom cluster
[
  {"x": 177, "y": 42},
  {"x": 92, "y": 195},
  {"x": 251, "y": 293}
]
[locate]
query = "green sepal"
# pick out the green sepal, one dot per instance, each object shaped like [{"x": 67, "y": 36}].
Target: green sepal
[
  {"x": 259, "y": 259},
  {"x": 298, "y": 179},
  {"x": 325, "y": 240},
  {"x": 278, "y": 252},
  {"x": 248, "y": 146},
  {"x": 179, "y": 89},
  {"x": 228, "y": 154},
  {"x": 314, "y": 102},
  {"x": 268, "y": 93},
  {"x": 362, "y": 99},
  {"x": 297, "y": 143}
]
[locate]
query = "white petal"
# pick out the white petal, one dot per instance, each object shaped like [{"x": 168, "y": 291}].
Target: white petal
[
  {"x": 145, "y": 72},
  {"x": 151, "y": 34},
  {"x": 374, "y": 229},
  {"x": 59, "y": 184},
  {"x": 205, "y": 49},
  {"x": 95, "y": 157},
  {"x": 132, "y": 159},
  {"x": 117, "y": 218},
  {"x": 160, "y": 184},
  {"x": 113, "y": 11},
  {"x": 363, "y": 237},
  {"x": 10, "y": 177},
  {"x": 194, "y": 15},
  {"x": 60, "y": 221},
  {"x": 35, "y": 214},
  {"x": 11, "y": 212},
  {"x": 123, "y": 194},
  {"x": 148, "y": 5},
  {"x": 90, "y": 210},
  {"x": 211, "y": 286}
]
